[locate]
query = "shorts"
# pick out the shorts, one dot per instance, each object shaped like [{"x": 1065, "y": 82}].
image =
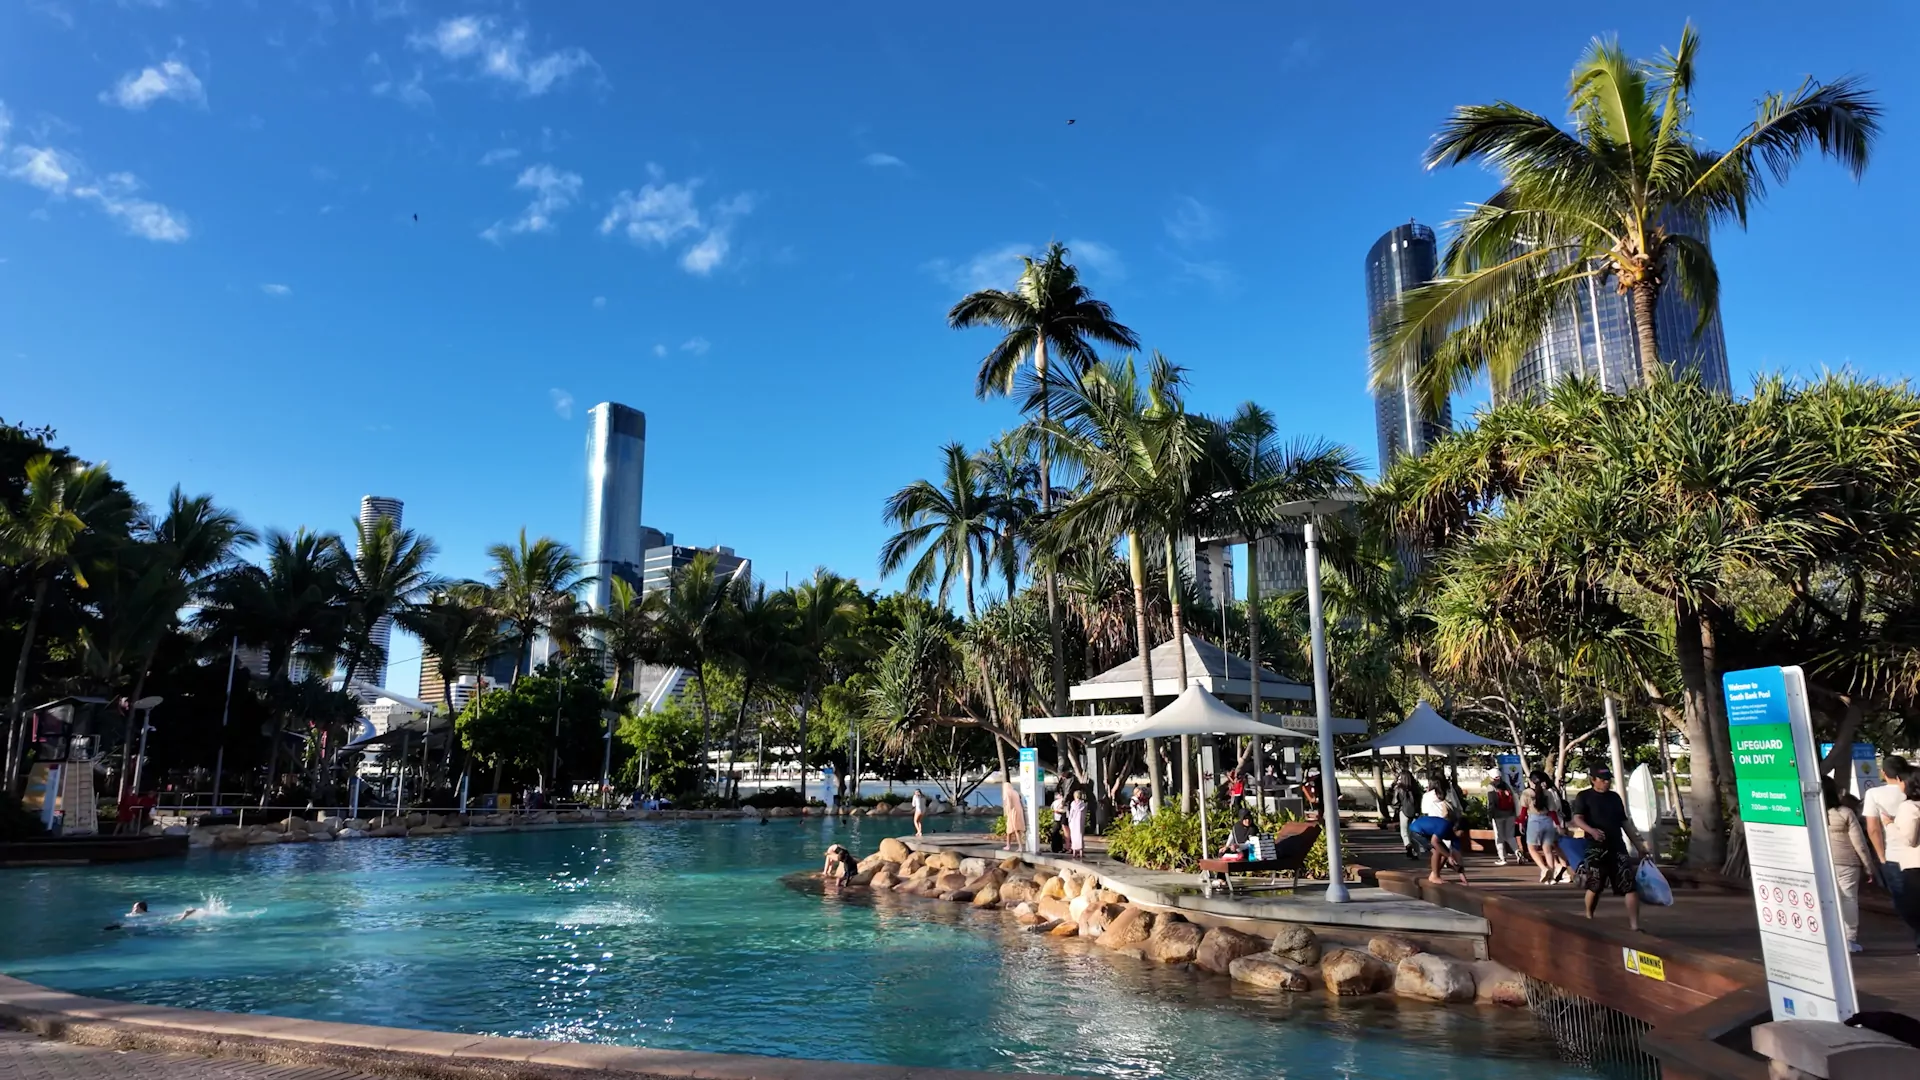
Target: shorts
[
  {"x": 1433, "y": 828},
  {"x": 1605, "y": 869},
  {"x": 1541, "y": 831}
]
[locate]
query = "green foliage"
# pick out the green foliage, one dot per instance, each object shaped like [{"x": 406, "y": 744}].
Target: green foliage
[
  {"x": 669, "y": 739},
  {"x": 512, "y": 729},
  {"x": 771, "y": 797},
  {"x": 1046, "y": 823},
  {"x": 1168, "y": 840}
]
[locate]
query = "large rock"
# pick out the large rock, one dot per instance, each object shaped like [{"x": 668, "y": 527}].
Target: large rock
[
  {"x": 975, "y": 867},
  {"x": 1129, "y": 929},
  {"x": 1174, "y": 940},
  {"x": 1010, "y": 864},
  {"x": 944, "y": 860},
  {"x": 353, "y": 834},
  {"x": 1222, "y": 946},
  {"x": 1350, "y": 972},
  {"x": 1018, "y": 890},
  {"x": 1298, "y": 944},
  {"x": 1495, "y": 983},
  {"x": 1392, "y": 949},
  {"x": 914, "y": 862},
  {"x": 1027, "y": 914},
  {"x": 1055, "y": 909},
  {"x": 1097, "y": 918},
  {"x": 874, "y": 862},
  {"x": 1434, "y": 978},
  {"x": 883, "y": 878},
  {"x": 1044, "y": 926},
  {"x": 992, "y": 875},
  {"x": 1108, "y": 896},
  {"x": 958, "y": 896},
  {"x": 321, "y": 835},
  {"x": 1054, "y": 888},
  {"x": 880, "y": 810},
  {"x": 1270, "y": 971},
  {"x": 894, "y": 851},
  {"x": 1065, "y": 929},
  {"x": 949, "y": 880},
  {"x": 987, "y": 896}
]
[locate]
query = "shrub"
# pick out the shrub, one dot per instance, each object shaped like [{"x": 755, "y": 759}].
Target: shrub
[
  {"x": 772, "y": 797},
  {"x": 1168, "y": 839}
]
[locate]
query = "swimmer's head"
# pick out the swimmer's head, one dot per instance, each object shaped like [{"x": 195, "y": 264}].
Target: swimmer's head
[{"x": 139, "y": 907}]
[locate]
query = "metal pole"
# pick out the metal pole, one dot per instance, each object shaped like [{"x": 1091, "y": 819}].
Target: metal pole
[
  {"x": 1613, "y": 743},
  {"x": 146, "y": 725},
  {"x": 1323, "y": 709},
  {"x": 220, "y": 758},
  {"x": 606, "y": 769}
]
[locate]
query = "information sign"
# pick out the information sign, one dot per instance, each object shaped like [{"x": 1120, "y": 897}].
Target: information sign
[
  {"x": 1510, "y": 771},
  {"x": 1776, "y": 773},
  {"x": 1032, "y": 787},
  {"x": 1866, "y": 767}
]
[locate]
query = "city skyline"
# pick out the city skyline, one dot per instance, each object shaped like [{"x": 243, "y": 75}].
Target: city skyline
[{"x": 1402, "y": 259}]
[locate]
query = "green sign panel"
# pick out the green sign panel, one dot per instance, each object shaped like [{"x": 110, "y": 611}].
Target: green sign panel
[{"x": 1764, "y": 768}]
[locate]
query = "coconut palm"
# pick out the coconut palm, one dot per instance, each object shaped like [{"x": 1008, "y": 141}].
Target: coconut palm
[
  {"x": 40, "y": 536},
  {"x": 629, "y": 630},
  {"x": 951, "y": 523},
  {"x": 390, "y": 576},
  {"x": 1613, "y": 203},
  {"x": 1048, "y": 315},
  {"x": 457, "y": 628},
  {"x": 693, "y": 626},
  {"x": 826, "y": 636},
  {"x": 1012, "y": 481},
  {"x": 762, "y": 650},
  {"x": 532, "y": 587}
]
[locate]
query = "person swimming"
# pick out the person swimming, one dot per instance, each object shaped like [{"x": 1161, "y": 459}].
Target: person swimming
[
  {"x": 139, "y": 908},
  {"x": 188, "y": 914}
]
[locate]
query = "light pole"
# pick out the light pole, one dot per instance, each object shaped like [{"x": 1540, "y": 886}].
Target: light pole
[
  {"x": 146, "y": 725},
  {"x": 1311, "y": 510}
]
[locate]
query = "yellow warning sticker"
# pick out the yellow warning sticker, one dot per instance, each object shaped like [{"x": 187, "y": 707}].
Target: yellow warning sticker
[{"x": 1645, "y": 964}]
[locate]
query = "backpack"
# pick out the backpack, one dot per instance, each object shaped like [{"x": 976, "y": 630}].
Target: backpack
[{"x": 1502, "y": 802}]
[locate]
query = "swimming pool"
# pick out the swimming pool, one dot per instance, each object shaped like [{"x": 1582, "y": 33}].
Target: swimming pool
[{"x": 682, "y": 936}]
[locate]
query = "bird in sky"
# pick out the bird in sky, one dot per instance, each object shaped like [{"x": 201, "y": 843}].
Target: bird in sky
[
  {"x": 416, "y": 219},
  {"x": 1070, "y": 123}
]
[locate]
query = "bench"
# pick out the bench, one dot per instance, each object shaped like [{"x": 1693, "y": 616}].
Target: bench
[{"x": 1290, "y": 848}]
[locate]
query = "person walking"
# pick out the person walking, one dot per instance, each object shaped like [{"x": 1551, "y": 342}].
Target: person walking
[
  {"x": 1601, "y": 816},
  {"x": 1057, "y": 833},
  {"x": 1877, "y": 810},
  {"x": 1903, "y": 847},
  {"x": 1406, "y": 807},
  {"x": 1540, "y": 821},
  {"x": 1503, "y": 809},
  {"x": 1077, "y": 825},
  {"x": 1853, "y": 859},
  {"x": 919, "y": 812}
]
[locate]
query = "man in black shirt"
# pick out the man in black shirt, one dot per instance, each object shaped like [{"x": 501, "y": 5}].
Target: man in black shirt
[{"x": 1600, "y": 816}]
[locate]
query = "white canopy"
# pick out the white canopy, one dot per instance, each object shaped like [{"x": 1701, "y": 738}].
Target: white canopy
[
  {"x": 1426, "y": 731},
  {"x": 1197, "y": 712}
]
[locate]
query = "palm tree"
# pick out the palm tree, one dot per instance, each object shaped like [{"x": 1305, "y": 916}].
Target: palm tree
[
  {"x": 457, "y": 629},
  {"x": 1012, "y": 482},
  {"x": 1609, "y": 203},
  {"x": 533, "y": 586},
  {"x": 629, "y": 630},
  {"x": 40, "y": 536},
  {"x": 954, "y": 522},
  {"x": 761, "y": 649},
  {"x": 390, "y": 576},
  {"x": 1048, "y": 312},
  {"x": 826, "y": 634},
  {"x": 693, "y": 627}
]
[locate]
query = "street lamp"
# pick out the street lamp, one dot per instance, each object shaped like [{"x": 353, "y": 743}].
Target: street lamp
[
  {"x": 1311, "y": 510},
  {"x": 146, "y": 725}
]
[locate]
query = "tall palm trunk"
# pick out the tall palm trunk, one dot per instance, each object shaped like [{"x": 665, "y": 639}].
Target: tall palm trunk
[
  {"x": 1137, "y": 563},
  {"x": 733, "y": 748},
  {"x": 1253, "y": 659},
  {"x": 1708, "y": 846},
  {"x": 966, "y": 575},
  {"x": 1047, "y": 574},
  {"x": 706, "y": 722},
  {"x": 1180, "y": 666},
  {"x": 16, "y": 711},
  {"x": 127, "y": 757},
  {"x": 1646, "y": 302}
]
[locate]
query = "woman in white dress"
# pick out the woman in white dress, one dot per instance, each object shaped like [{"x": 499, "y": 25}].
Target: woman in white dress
[
  {"x": 1076, "y": 825},
  {"x": 1015, "y": 814}
]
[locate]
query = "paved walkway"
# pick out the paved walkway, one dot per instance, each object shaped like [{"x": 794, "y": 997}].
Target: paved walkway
[
  {"x": 1706, "y": 917},
  {"x": 24, "y": 1056}
]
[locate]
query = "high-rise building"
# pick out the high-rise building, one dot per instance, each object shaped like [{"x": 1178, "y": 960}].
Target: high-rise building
[
  {"x": 497, "y": 670},
  {"x": 662, "y": 561},
  {"x": 372, "y": 509},
  {"x": 616, "y": 464},
  {"x": 1401, "y": 260},
  {"x": 1595, "y": 335}
]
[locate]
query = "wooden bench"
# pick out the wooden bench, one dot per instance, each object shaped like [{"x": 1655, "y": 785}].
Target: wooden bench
[{"x": 1290, "y": 848}]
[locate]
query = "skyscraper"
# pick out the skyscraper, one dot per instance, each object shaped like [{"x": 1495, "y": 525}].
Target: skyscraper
[
  {"x": 372, "y": 509},
  {"x": 1401, "y": 260},
  {"x": 1595, "y": 336},
  {"x": 662, "y": 561},
  {"x": 616, "y": 463}
]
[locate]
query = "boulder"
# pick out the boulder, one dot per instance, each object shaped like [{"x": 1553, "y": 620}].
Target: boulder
[
  {"x": 1298, "y": 944},
  {"x": 1044, "y": 926},
  {"x": 415, "y": 819},
  {"x": 883, "y": 878},
  {"x": 1011, "y": 864},
  {"x": 333, "y": 822},
  {"x": 1392, "y": 949},
  {"x": 1222, "y": 946},
  {"x": 993, "y": 876},
  {"x": 1108, "y": 896},
  {"x": 259, "y": 839},
  {"x": 1055, "y": 909},
  {"x": 177, "y": 830},
  {"x": 1434, "y": 978},
  {"x": 320, "y": 835},
  {"x": 1055, "y": 888},
  {"x": 1017, "y": 890},
  {"x": 1027, "y": 914},
  {"x": 1270, "y": 971},
  {"x": 359, "y": 823},
  {"x": 353, "y": 834},
  {"x": 874, "y": 862},
  {"x": 1065, "y": 929},
  {"x": 1097, "y": 918},
  {"x": 1131, "y": 927},
  {"x": 1077, "y": 907},
  {"x": 914, "y": 862},
  {"x": 1174, "y": 940},
  {"x": 950, "y": 880},
  {"x": 435, "y": 821},
  {"x": 944, "y": 860},
  {"x": 894, "y": 851},
  {"x": 986, "y": 896},
  {"x": 880, "y": 810},
  {"x": 202, "y": 838},
  {"x": 1350, "y": 972},
  {"x": 958, "y": 896},
  {"x": 1495, "y": 983},
  {"x": 975, "y": 867}
]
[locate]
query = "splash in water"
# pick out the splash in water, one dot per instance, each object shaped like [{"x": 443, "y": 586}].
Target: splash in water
[{"x": 213, "y": 908}]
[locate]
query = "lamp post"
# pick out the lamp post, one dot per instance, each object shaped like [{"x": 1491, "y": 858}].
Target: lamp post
[
  {"x": 1311, "y": 510},
  {"x": 146, "y": 725}
]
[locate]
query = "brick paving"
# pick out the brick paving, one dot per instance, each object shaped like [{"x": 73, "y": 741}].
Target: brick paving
[{"x": 24, "y": 1056}]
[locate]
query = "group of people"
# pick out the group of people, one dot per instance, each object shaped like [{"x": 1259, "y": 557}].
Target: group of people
[
  {"x": 1068, "y": 834},
  {"x": 1876, "y": 839}
]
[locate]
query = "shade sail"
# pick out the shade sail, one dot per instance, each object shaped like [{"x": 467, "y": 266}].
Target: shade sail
[
  {"x": 1425, "y": 728},
  {"x": 1208, "y": 666},
  {"x": 1197, "y": 712}
]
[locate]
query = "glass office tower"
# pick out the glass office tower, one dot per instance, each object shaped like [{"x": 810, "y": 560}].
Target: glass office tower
[
  {"x": 372, "y": 509},
  {"x": 1403, "y": 259},
  {"x": 616, "y": 462}
]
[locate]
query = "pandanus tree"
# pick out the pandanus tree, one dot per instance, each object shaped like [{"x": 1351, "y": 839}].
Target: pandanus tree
[
  {"x": 1618, "y": 202},
  {"x": 1048, "y": 317}
]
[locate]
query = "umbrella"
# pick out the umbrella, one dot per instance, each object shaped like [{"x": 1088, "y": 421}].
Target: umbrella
[{"x": 1425, "y": 730}]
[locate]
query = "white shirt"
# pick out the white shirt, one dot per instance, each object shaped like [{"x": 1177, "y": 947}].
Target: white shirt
[
  {"x": 1432, "y": 805},
  {"x": 1903, "y": 837},
  {"x": 919, "y": 802},
  {"x": 1881, "y": 804}
]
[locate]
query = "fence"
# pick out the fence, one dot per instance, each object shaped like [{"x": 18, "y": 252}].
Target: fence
[{"x": 1588, "y": 1034}]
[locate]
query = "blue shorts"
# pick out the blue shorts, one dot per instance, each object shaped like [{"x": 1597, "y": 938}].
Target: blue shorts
[{"x": 1433, "y": 828}]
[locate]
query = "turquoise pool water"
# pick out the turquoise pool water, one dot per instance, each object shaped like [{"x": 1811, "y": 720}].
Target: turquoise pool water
[{"x": 683, "y": 936}]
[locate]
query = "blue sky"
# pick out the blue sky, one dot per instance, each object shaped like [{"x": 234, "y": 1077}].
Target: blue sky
[{"x": 748, "y": 220}]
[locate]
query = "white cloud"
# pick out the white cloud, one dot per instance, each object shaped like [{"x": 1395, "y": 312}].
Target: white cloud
[
  {"x": 601, "y": 301},
  {"x": 710, "y": 252},
  {"x": 657, "y": 214},
  {"x": 659, "y": 350},
  {"x": 1098, "y": 257},
  {"x": 63, "y": 175},
  {"x": 1192, "y": 221},
  {"x": 562, "y": 403},
  {"x": 501, "y": 54},
  {"x": 883, "y": 161},
  {"x": 995, "y": 268},
  {"x": 172, "y": 79},
  {"x": 698, "y": 346},
  {"x": 276, "y": 289},
  {"x": 498, "y": 155},
  {"x": 553, "y": 191},
  {"x": 1212, "y": 272}
]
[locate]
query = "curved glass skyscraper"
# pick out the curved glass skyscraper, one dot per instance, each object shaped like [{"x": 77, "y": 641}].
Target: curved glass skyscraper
[
  {"x": 616, "y": 464},
  {"x": 372, "y": 509},
  {"x": 1401, "y": 260}
]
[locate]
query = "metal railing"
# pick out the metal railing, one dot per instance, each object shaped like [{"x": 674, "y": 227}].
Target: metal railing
[{"x": 1591, "y": 1035}]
